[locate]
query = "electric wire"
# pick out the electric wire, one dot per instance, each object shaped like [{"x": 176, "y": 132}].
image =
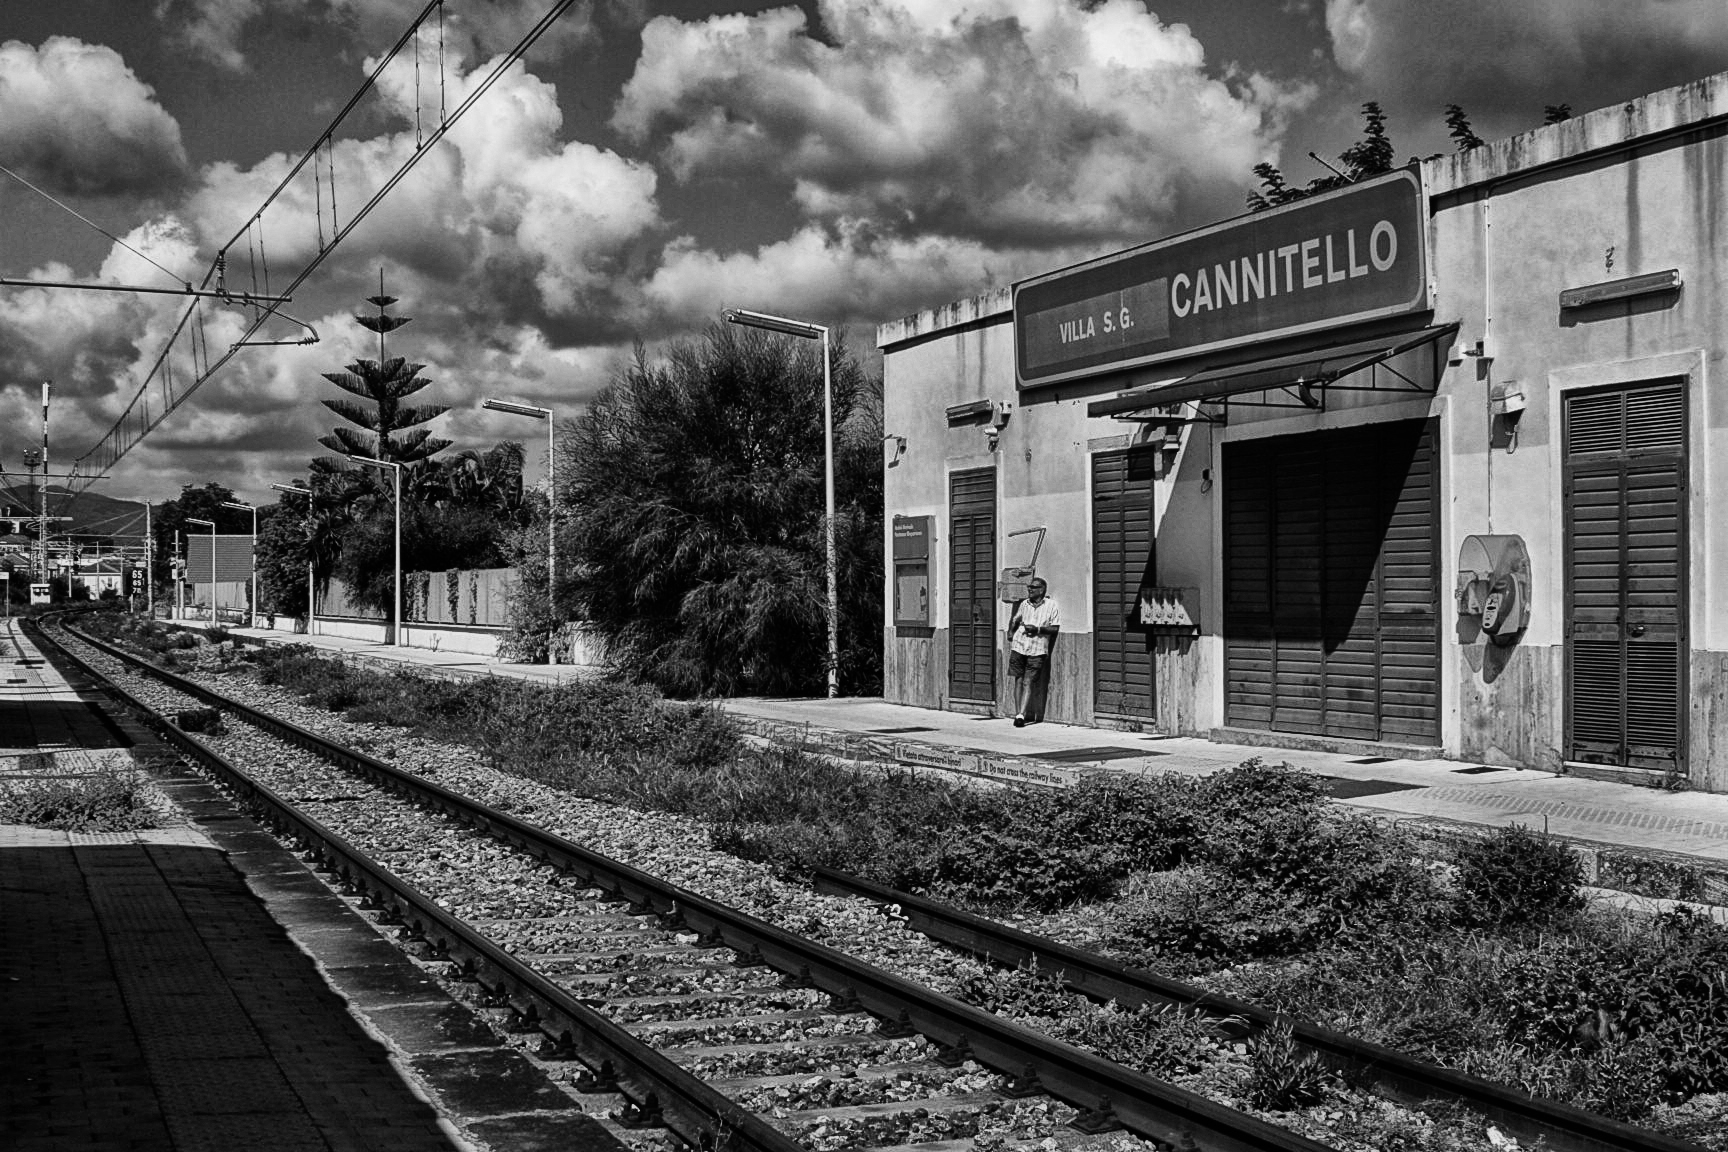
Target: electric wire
[
  {"x": 108, "y": 450},
  {"x": 177, "y": 278}
]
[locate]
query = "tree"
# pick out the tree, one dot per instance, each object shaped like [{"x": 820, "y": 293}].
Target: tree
[
  {"x": 282, "y": 553},
  {"x": 455, "y": 513},
  {"x": 1458, "y": 126},
  {"x": 692, "y": 511},
  {"x": 391, "y": 427},
  {"x": 1555, "y": 113},
  {"x": 1369, "y": 156},
  {"x": 204, "y": 502}
]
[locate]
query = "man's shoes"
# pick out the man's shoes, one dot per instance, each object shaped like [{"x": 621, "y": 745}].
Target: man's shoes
[{"x": 1019, "y": 721}]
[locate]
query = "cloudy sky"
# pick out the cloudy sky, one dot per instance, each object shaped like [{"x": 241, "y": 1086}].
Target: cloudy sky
[{"x": 845, "y": 161}]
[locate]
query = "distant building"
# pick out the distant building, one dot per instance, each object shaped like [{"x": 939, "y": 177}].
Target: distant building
[{"x": 1419, "y": 467}]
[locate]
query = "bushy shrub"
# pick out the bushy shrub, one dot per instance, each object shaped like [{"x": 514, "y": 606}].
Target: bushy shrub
[
  {"x": 1149, "y": 822},
  {"x": 1019, "y": 865},
  {"x": 1202, "y": 912},
  {"x": 1250, "y": 794},
  {"x": 1660, "y": 987},
  {"x": 1515, "y": 876}
]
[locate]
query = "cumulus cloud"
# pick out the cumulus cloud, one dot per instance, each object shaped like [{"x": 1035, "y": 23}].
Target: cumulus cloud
[
  {"x": 215, "y": 29},
  {"x": 503, "y": 206},
  {"x": 502, "y": 231},
  {"x": 74, "y": 117},
  {"x": 847, "y": 272},
  {"x": 1504, "y": 62},
  {"x": 1006, "y": 122}
]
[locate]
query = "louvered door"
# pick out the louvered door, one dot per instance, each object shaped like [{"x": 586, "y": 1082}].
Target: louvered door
[
  {"x": 1330, "y": 592},
  {"x": 972, "y": 586},
  {"x": 1121, "y": 562},
  {"x": 1626, "y": 575}
]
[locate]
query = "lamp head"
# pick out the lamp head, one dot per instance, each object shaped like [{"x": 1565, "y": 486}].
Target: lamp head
[
  {"x": 781, "y": 324},
  {"x": 369, "y": 462},
  {"x": 516, "y": 409}
]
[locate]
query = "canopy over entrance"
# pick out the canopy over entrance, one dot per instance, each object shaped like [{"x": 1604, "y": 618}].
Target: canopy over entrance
[{"x": 1298, "y": 380}]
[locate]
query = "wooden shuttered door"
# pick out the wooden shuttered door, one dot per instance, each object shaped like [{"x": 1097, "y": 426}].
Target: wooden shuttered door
[
  {"x": 1331, "y": 565},
  {"x": 1625, "y": 575},
  {"x": 1121, "y": 562},
  {"x": 972, "y": 588}
]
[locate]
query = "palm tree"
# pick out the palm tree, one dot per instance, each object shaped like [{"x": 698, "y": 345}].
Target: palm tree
[{"x": 489, "y": 480}]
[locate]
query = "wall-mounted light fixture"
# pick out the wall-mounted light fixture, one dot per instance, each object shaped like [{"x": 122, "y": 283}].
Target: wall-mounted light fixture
[
  {"x": 1664, "y": 281},
  {"x": 1474, "y": 351},
  {"x": 971, "y": 410},
  {"x": 999, "y": 413},
  {"x": 898, "y": 450}
]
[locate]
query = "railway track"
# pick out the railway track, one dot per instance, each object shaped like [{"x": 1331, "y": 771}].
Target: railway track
[
  {"x": 1394, "y": 1074},
  {"x": 679, "y": 1012}
]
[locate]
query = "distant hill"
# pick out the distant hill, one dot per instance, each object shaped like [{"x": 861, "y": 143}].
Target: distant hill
[{"x": 95, "y": 518}]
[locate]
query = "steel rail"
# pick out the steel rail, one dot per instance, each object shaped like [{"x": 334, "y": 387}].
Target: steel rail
[
  {"x": 1107, "y": 1094},
  {"x": 1565, "y": 1127},
  {"x": 657, "y": 1090}
]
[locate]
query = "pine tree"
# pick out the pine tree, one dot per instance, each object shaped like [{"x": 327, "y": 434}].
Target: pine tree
[{"x": 383, "y": 384}]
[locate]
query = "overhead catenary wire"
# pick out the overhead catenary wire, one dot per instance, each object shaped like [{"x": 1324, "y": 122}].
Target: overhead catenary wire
[{"x": 110, "y": 448}]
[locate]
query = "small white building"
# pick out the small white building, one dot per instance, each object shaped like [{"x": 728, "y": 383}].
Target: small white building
[{"x": 1419, "y": 467}]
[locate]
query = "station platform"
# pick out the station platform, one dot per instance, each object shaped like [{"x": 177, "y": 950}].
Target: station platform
[
  {"x": 193, "y": 988},
  {"x": 1586, "y": 811}
]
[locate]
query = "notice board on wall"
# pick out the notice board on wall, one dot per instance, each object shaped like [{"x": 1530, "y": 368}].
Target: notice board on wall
[{"x": 914, "y": 606}]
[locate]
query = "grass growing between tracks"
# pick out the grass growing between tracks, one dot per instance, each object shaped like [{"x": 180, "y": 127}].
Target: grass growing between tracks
[
  {"x": 1479, "y": 955},
  {"x": 108, "y": 800}
]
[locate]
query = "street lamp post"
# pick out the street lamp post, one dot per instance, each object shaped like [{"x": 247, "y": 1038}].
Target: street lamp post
[
  {"x": 396, "y": 473},
  {"x": 211, "y": 524},
  {"x": 252, "y": 508},
  {"x": 545, "y": 414},
  {"x": 807, "y": 331},
  {"x": 42, "y": 495},
  {"x": 306, "y": 492}
]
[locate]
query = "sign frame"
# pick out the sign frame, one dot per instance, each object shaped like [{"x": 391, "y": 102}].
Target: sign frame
[{"x": 1375, "y": 231}]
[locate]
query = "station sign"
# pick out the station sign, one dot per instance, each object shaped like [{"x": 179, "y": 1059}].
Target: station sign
[{"x": 1344, "y": 257}]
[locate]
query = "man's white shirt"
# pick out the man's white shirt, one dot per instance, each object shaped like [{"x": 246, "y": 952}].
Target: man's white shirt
[{"x": 1043, "y": 614}]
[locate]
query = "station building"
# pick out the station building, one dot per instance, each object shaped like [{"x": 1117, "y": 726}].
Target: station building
[{"x": 1432, "y": 465}]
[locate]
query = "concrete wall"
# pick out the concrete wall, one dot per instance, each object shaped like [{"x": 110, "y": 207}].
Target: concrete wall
[
  {"x": 475, "y": 641},
  {"x": 1621, "y": 192}
]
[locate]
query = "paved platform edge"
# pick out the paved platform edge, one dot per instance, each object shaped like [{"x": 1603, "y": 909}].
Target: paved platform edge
[{"x": 430, "y": 1038}]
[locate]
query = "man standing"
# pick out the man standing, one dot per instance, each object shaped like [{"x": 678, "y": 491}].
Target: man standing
[{"x": 1033, "y": 626}]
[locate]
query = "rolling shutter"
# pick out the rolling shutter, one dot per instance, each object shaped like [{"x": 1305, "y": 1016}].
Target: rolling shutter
[
  {"x": 1330, "y": 590},
  {"x": 1121, "y": 562},
  {"x": 1625, "y": 575},
  {"x": 972, "y": 589}
]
